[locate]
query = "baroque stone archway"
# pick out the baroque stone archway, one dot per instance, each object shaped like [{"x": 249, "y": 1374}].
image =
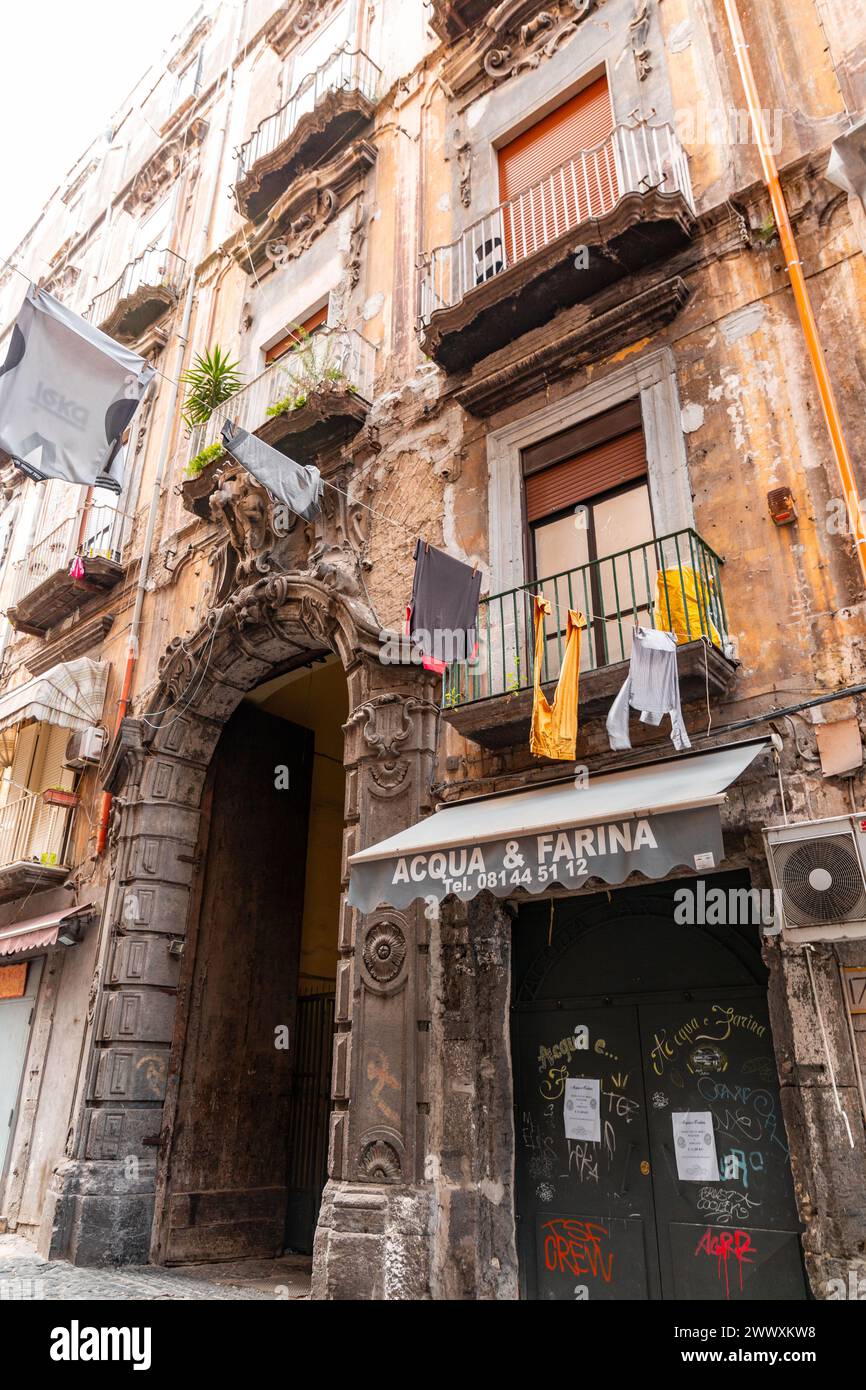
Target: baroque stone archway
[{"x": 105, "y": 1191}]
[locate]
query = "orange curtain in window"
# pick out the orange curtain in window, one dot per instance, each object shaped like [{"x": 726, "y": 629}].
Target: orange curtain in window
[{"x": 558, "y": 173}]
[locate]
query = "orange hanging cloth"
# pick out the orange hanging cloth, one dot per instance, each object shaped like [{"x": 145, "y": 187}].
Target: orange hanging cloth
[{"x": 554, "y": 726}]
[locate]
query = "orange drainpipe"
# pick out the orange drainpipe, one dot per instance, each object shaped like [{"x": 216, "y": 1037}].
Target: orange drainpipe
[{"x": 798, "y": 285}]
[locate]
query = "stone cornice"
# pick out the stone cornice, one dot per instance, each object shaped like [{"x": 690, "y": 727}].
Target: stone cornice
[
  {"x": 581, "y": 336},
  {"x": 514, "y": 37},
  {"x": 294, "y": 21},
  {"x": 306, "y": 208},
  {"x": 163, "y": 166}
]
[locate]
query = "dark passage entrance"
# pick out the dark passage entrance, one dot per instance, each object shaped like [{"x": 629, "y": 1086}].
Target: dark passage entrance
[
  {"x": 225, "y": 1185},
  {"x": 628, "y": 1028},
  {"x": 247, "y": 1112}
]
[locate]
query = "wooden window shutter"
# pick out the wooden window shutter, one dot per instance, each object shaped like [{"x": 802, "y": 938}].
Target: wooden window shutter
[
  {"x": 316, "y": 320},
  {"x": 583, "y": 123},
  {"x": 23, "y": 760},
  {"x": 586, "y": 475}
]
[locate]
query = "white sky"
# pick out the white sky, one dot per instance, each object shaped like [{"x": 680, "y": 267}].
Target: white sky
[{"x": 66, "y": 69}]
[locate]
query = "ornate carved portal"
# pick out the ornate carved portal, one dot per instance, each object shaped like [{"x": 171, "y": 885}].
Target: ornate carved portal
[{"x": 157, "y": 773}]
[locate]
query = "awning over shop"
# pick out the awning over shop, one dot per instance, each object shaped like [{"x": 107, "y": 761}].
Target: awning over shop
[
  {"x": 645, "y": 820},
  {"x": 71, "y": 694},
  {"x": 39, "y": 933}
]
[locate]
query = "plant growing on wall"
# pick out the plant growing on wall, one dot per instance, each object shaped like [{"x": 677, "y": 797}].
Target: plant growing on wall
[
  {"x": 202, "y": 459},
  {"x": 210, "y": 381}
]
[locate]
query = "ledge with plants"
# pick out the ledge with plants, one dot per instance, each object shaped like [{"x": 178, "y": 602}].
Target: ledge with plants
[{"x": 211, "y": 381}]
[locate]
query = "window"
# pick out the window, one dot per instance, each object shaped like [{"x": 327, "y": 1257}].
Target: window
[
  {"x": 325, "y": 42},
  {"x": 187, "y": 85},
  {"x": 590, "y": 532},
  {"x": 29, "y": 827},
  {"x": 154, "y": 231},
  {"x": 294, "y": 336},
  {"x": 557, "y": 174}
]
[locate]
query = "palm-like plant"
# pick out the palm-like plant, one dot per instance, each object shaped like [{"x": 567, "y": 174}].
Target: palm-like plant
[{"x": 211, "y": 380}]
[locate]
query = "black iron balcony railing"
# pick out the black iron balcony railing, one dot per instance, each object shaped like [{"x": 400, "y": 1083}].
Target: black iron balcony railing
[
  {"x": 343, "y": 71},
  {"x": 157, "y": 269},
  {"x": 633, "y": 159},
  {"x": 671, "y": 582}
]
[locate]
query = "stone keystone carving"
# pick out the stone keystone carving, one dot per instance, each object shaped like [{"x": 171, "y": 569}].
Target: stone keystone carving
[{"x": 246, "y": 511}]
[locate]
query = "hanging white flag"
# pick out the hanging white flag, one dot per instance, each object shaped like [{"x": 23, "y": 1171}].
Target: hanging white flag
[{"x": 67, "y": 395}]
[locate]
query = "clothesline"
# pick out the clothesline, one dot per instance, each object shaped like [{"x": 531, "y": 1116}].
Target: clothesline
[{"x": 382, "y": 516}]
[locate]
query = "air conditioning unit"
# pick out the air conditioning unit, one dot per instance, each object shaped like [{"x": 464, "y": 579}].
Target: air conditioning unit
[
  {"x": 819, "y": 870},
  {"x": 85, "y": 747}
]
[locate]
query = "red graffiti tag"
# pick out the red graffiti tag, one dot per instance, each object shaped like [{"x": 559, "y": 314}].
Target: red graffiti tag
[
  {"x": 575, "y": 1247},
  {"x": 726, "y": 1244}
]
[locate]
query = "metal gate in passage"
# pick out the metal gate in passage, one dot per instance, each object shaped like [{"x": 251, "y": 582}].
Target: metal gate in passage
[{"x": 309, "y": 1117}]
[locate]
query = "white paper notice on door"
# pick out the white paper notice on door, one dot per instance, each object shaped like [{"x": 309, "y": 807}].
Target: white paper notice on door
[
  {"x": 695, "y": 1146},
  {"x": 583, "y": 1108}
]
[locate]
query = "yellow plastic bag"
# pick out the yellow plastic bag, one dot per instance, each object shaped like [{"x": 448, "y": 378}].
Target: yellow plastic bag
[{"x": 683, "y": 605}]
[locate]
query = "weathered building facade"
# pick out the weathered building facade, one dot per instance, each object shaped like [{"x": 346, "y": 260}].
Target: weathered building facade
[{"x": 548, "y": 327}]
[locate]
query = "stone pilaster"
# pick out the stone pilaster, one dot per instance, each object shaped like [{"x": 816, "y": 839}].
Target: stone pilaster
[{"x": 373, "y": 1236}]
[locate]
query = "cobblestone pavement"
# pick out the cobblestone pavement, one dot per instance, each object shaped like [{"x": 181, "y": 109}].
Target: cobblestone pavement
[{"x": 25, "y": 1275}]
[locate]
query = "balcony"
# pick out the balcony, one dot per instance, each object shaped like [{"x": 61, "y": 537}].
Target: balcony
[
  {"x": 33, "y": 843},
  {"x": 628, "y": 202},
  {"x": 146, "y": 289},
  {"x": 452, "y": 18},
  {"x": 44, "y": 592},
  {"x": 671, "y": 582},
  {"x": 312, "y": 400},
  {"x": 329, "y": 106}
]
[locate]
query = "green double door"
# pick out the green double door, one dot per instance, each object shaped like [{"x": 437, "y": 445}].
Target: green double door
[{"x": 651, "y": 1153}]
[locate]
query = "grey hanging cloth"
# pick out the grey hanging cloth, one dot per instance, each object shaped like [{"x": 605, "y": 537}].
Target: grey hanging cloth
[
  {"x": 299, "y": 488},
  {"x": 67, "y": 395},
  {"x": 443, "y": 614},
  {"x": 652, "y": 686}
]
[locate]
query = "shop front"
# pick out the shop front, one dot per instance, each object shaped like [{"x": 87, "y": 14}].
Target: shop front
[{"x": 649, "y": 1157}]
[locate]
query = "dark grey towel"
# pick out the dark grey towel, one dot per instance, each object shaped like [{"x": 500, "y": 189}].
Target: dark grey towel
[
  {"x": 445, "y": 595},
  {"x": 299, "y": 488}
]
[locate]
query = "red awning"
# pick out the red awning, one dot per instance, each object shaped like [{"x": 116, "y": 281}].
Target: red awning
[{"x": 38, "y": 932}]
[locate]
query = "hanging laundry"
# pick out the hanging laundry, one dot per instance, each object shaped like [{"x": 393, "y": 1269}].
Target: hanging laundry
[
  {"x": 443, "y": 614},
  {"x": 67, "y": 395},
  {"x": 553, "y": 733},
  {"x": 652, "y": 687},
  {"x": 683, "y": 605},
  {"x": 76, "y": 569},
  {"x": 298, "y": 487}
]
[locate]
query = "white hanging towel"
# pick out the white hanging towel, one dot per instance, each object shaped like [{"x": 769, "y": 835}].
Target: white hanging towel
[{"x": 652, "y": 687}]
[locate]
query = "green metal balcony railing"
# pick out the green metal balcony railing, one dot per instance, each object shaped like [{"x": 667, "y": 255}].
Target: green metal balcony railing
[{"x": 671, "y": 581}]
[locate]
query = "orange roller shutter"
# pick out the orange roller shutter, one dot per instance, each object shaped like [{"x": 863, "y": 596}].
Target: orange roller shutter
[
  {"x": 292, "y": 339},
  {"x": 565, "y": 189},
  {"x": 585, "y": 476}
]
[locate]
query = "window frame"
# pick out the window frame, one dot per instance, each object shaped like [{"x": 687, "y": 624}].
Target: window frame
[{"x": 597, "y": 624}]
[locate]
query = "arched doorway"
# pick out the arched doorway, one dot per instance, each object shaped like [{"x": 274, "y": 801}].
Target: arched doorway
[
  {"x": 117, "y": 1174},
  {"x": 652, "y": 1161},
  {"x": 246, "y": 1163}
]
